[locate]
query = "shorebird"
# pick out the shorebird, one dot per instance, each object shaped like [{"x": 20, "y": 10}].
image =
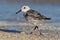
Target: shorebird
[{"x": 32, "y": 16}]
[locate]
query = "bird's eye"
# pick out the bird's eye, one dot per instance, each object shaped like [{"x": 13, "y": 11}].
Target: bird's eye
[{"x": 24, "y": 7}]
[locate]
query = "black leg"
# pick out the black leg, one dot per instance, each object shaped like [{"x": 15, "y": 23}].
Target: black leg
[{"x": 36, "y": 27}]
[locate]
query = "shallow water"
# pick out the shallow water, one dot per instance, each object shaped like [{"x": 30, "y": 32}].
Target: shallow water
[{"x": 8, "y": 11}]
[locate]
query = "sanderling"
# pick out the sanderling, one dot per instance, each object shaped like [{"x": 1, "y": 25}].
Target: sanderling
[{"x": 32, "y": 16}]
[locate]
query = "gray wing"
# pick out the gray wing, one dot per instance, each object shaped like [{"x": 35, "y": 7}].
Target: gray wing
[{"x": 35, "y": 15}]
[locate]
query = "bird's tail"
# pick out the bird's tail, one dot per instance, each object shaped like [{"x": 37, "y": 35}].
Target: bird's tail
[{"x": 48, "y": 18}]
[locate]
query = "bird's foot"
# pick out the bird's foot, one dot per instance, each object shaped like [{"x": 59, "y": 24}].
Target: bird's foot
[{"x": 36, "y": 31}]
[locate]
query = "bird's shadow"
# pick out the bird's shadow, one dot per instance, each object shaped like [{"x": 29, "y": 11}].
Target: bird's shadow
[{"x": 13, "y": 31}]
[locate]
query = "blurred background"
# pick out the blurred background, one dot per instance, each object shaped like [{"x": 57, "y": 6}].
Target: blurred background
[
  {"x": 8, "y": 9},
  {"x": 50, "y": 8}
]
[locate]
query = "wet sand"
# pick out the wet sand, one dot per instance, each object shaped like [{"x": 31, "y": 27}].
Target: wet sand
[
  {"x": 14, "y": 35},
  {"x": 23, "y": 36}
]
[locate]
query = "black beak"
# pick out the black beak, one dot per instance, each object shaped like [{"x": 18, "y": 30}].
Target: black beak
[{"x": 18, "y": 11}]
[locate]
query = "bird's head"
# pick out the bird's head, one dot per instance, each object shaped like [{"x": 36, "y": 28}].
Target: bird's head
[{"x": 23, "y": 9}]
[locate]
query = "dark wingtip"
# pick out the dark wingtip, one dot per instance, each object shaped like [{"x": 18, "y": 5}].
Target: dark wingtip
[
  {"x": 16, "y": 12},
  {"x": 48, "y": 18}
]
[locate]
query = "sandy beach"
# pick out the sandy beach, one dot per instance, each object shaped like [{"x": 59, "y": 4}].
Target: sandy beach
[{"x": 23, "y": 36}]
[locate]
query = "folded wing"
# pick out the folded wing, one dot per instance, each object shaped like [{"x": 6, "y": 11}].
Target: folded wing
[{"x": 35, "y": 15}]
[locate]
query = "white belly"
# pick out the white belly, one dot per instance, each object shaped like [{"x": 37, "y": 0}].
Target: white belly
[{"x": 34, "y": 22}]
